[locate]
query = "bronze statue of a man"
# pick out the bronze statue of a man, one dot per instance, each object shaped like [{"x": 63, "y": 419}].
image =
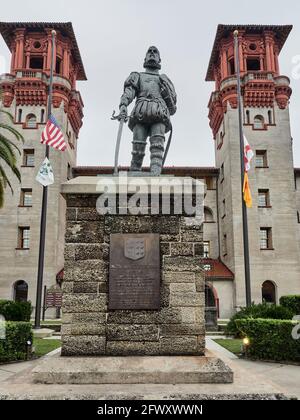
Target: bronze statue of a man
[{"x": 155, "y": 102}]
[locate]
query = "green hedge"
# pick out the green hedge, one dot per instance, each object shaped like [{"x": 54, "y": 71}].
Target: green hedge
[
  {"x": 291, "y": 302},
  {"x": 262, "y": 310},
  {"x": 14, "y": 346},
  {"x": 15, "y": 311},
  {"x": 270, "y": 339}
]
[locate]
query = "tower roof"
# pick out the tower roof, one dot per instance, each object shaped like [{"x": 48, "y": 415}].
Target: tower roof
[
  {"x": 281, "y": 31},
  {"x": 66, "y": 28}
]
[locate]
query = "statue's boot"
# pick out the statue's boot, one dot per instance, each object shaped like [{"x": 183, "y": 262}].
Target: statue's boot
[
  {"x": 138, "y": 153},
  {"x": 156, "y": 154}
]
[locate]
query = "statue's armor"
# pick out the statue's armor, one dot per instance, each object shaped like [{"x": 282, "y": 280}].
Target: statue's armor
[
  {"x": 155, "y": 102},
  {"x": 150, "y": 106}
]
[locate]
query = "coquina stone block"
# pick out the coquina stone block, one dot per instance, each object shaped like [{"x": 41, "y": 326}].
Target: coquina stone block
[
  {"x": 89, "y": 328},
  {"x": 84, "y": 345},
  {"x": 81, "y": 302},
  {"x": 126, "y": 332}
]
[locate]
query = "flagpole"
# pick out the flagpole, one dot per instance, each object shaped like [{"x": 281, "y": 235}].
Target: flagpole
[
  {"x": 39, "y": 288},
  {"x": 244, "y": 209}
]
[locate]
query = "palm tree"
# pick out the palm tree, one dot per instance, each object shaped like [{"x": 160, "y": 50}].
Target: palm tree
[{"x": 8, "y": 154}]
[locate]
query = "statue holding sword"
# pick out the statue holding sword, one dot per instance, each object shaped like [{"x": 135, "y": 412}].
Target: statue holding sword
[{"x": 155, "y": 103}]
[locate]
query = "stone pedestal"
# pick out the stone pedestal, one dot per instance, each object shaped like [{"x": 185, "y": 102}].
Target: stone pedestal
[{"x": 89, "y": 328}]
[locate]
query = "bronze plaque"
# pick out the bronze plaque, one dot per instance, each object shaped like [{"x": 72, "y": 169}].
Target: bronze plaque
[{"x": 134, "y": 272}]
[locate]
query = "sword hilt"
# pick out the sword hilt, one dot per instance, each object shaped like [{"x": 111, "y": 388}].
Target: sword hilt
[{"x": 118, "y": 117}]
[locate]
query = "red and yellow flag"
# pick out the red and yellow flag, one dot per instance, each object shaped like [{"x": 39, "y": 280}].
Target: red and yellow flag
[
  {"x": 248, "y": 155},
  {"x": 247, "y": 191}
]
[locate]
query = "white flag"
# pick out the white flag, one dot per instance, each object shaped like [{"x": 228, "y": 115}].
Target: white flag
[
  {"x": 45, "y": 174},
  {"x": 248, "y": 154}
]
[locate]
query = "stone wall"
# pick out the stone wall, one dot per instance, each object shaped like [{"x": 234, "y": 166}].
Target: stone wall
[{"x": 89, "y": 328}]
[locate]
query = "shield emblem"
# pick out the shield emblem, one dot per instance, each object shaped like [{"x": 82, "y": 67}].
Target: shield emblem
[{"x": 134, "y": 248}]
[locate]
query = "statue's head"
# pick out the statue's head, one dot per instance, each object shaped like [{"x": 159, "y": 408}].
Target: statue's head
[{"x": 152, "y": 59}]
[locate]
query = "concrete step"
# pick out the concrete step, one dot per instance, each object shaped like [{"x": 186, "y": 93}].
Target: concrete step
[
  {"x": 42, "y": 333},
  {"x": 132, "y": 370},
  {"x": 214, "y": 333}
]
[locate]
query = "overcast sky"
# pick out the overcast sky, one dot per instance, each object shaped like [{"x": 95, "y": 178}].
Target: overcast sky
[{"x": 113, "y": 36}]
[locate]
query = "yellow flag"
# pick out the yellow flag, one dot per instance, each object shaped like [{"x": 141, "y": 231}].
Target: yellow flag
[{"x": 246, "y": 191}]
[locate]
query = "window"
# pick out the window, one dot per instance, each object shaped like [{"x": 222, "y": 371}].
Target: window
[
  {"x": 26, "y": 198},
  {"x": 266, "y": 238},
  {"x": 24, "y": 237},
  {"x": 20, "y": 291},
  {"x": 69, "y": 172},
  {"x": 263, "y": 198},
  {"x": 224, "y": 245},
  {"x": 259, "y": 122},
  {"x": 210, "y": 301},
  {"x": 31, "y": 121},
  {"x": 253, "y": 64},
  {"x": 222, "y": 172},
  {"x": 36, "y": 63},
  {"x": 261, "y": 160},
  {"x": 206, "y": 249},
  {"x": 58, "y": 65},
  {"x": 247, "y": 117},
  {"x": 28, "y": 157},
  {"x": 224, "y": 208},
  {"x": 231, "y": 67},
  {"x": 42, "y": 115},
  {"x": 268, "y": 292},
  {"x": 19, "y": 115},
  {"x": 270, "y": 117}
]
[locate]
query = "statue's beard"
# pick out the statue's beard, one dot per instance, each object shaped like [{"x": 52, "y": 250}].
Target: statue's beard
[{"x": 151, "y": 64}]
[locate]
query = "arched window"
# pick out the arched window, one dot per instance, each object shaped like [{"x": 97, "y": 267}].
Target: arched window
[
  {"x": 259, "y": 122},
  {"x": 31, "y": 121},
  {"x": 270, "y": 117},
  {"x": 208, "y": 215},
  {"x": 247, "y": 117},
  {"x": 269, "y": 292},
  {"x": 210, "y": 300},
  {"x": 58, "y": 65},
  {"x": 19, "y": 115},
  {"x": 20, "y": 291},
  {"x": 42, "y": 115}
]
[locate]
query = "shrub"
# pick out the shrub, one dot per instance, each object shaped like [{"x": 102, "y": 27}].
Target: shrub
[
  {"x": 15, "y": 311},
  {"x": 270, "y": 339},
  {"x": 291, "y": 302},
  {"x": 14, "y": 346},
  {"x": 262, "y": 310}
]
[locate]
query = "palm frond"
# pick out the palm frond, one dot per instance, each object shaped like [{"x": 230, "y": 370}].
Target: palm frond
[
  {"x": 5, "y": 179},
  {"x": 7, "y": 156},
  {"x": 5, "y": 140},
  {"x": 12, "y": 130},
  {"x": 10, "y": 116}
]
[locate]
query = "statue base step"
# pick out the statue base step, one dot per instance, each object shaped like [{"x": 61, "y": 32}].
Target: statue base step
[{"x": 133, "y": 370}]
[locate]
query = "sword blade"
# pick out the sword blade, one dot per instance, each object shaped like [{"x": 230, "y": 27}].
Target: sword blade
[{"x": 118, "y": 146}]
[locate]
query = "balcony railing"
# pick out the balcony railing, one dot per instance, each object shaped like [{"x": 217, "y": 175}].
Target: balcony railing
[
  {"x": 251, "y": 75},
  {"x": 35, "y": 74}
]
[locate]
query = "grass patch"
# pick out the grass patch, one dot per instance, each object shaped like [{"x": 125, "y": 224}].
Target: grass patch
[
  {"x": 234, "y": 345},
  {"x": 43, "y": 346}
]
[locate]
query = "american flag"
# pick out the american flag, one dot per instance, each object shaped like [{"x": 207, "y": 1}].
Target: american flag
[{"x": 53, "y": 136}]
